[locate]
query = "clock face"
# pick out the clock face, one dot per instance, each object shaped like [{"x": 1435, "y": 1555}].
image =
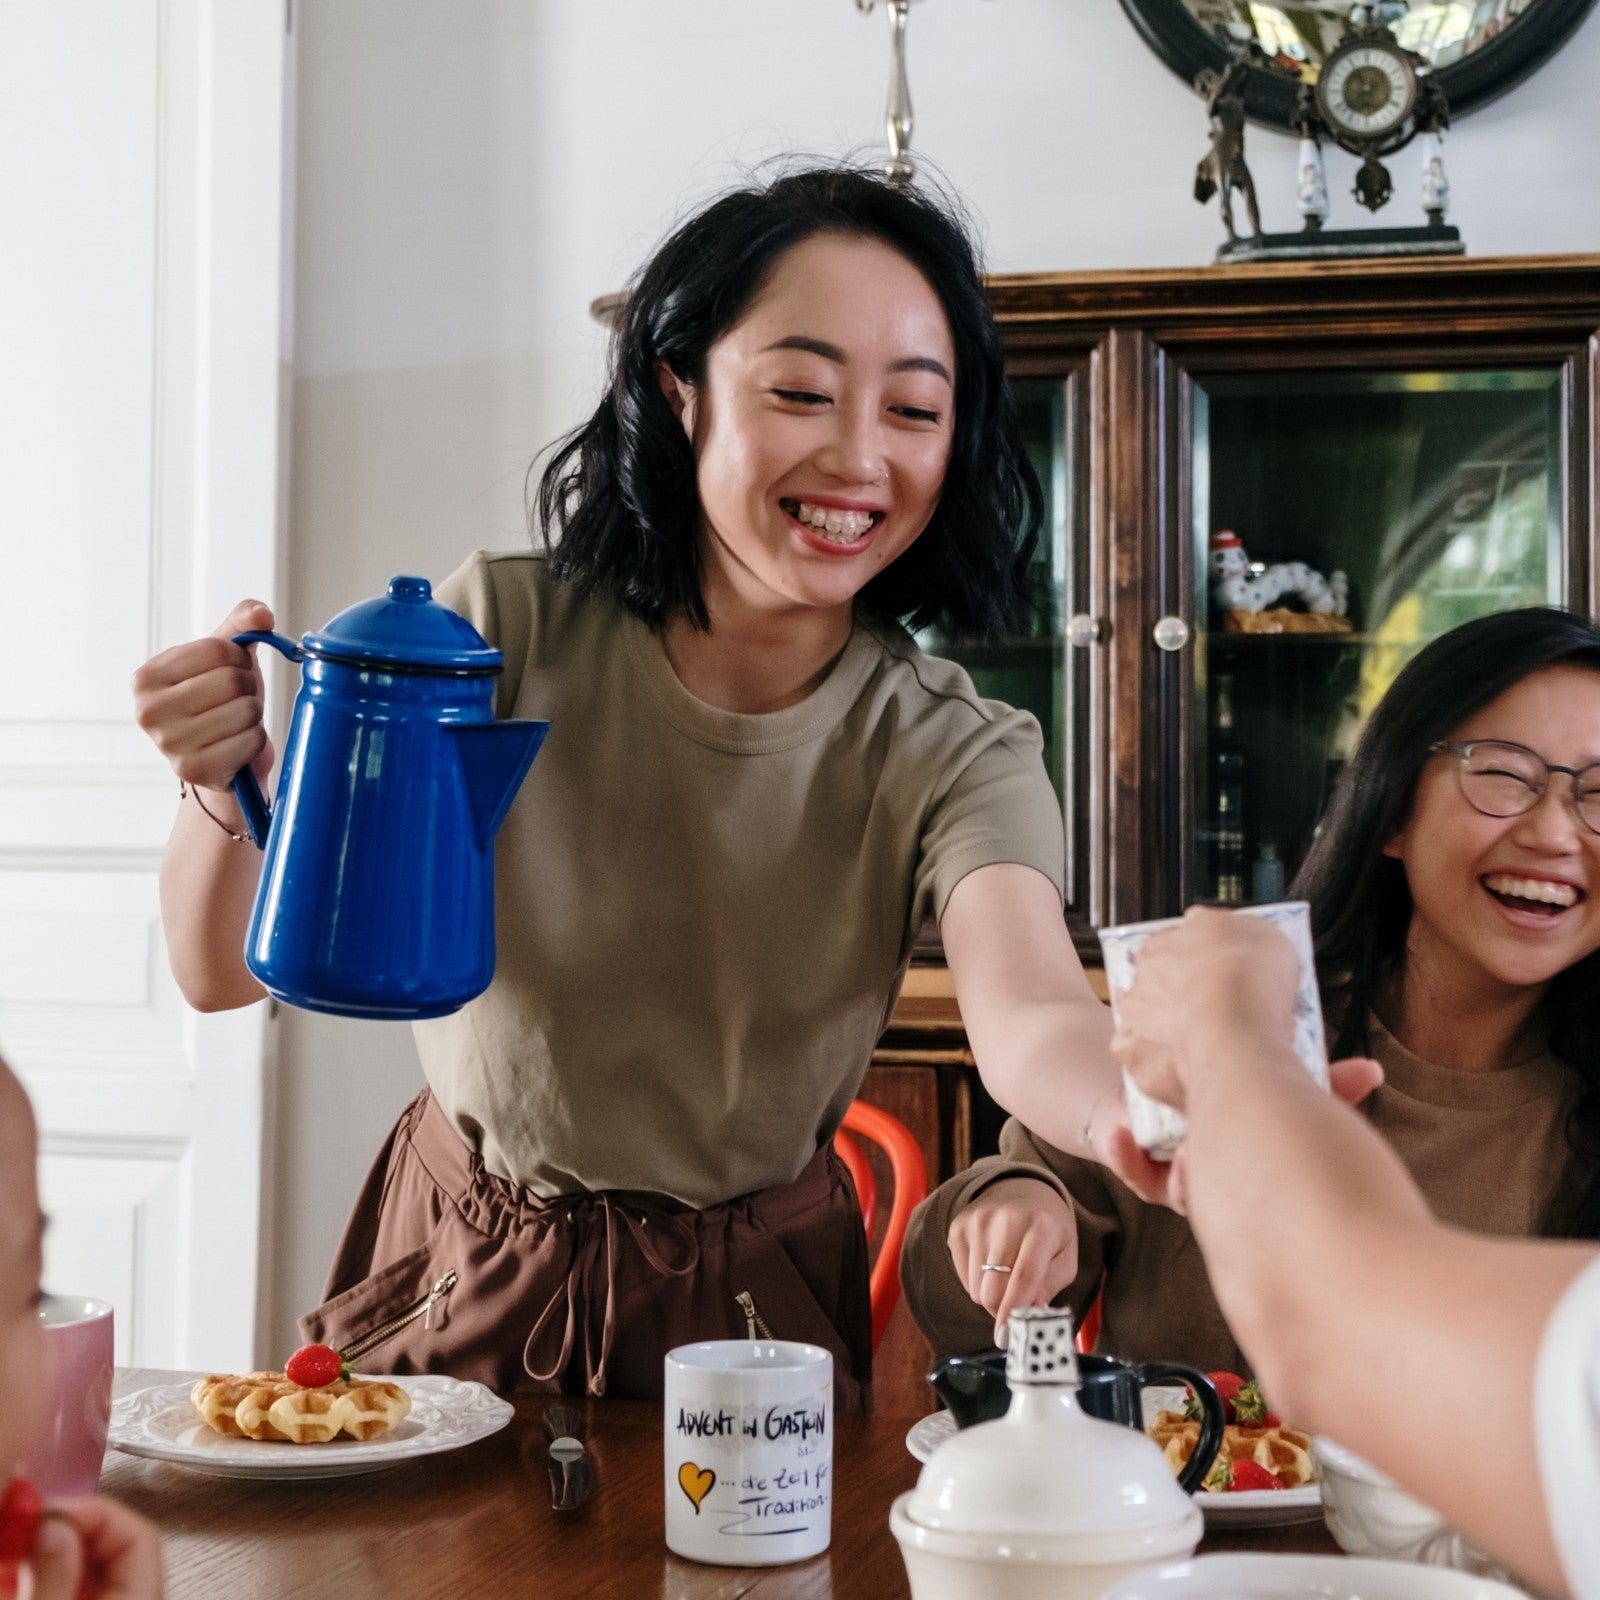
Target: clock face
[{"x": 1367, "y": 90}]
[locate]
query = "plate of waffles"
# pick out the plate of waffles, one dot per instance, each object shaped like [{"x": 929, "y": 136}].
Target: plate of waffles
[
  {"x": 1284, "y": 1451},
  {"x": 1261, "y": 1508},
  {"x": 1237, "y": 1508},
  {"x": 422, "y": 1416}
]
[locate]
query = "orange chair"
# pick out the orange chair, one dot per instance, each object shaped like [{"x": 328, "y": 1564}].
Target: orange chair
[
  {"x": 910, "y": 1174},
  {"x": 860, "y": 1169},
  {"x": 1089, "y": 1328}
]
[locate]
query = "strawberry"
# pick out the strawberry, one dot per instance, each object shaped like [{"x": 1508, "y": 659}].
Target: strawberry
[
  {"x": 20, "y": 1508},
  {"x": 1250, "y": 1407},
  {"x": 1242, "y": 1401},
  {"x": 1227, "y": 1385},
  {"x": 1249, "y": 1475},
  {"x": 314, "y": 1366}
]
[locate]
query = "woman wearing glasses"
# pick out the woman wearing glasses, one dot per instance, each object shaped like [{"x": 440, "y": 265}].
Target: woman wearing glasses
[{"x": 1455, "y": 904}]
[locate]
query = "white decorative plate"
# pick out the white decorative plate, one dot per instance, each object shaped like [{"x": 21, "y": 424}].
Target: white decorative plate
[
  {"x": 1261, "y": 1508},
  {"x": 926, "y": 1436},
  {"x": 1306, "y": 1578},
  {"x": 162, "y": 1424}
]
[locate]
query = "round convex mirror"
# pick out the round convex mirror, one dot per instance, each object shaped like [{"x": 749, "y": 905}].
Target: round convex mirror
[{"x": 1480, "y": 48}]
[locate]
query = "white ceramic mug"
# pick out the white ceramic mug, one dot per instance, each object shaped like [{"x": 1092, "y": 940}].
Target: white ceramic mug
[
  {"x": 749, "y": 1451},
  {"x": 1157, "y": 1127},
  {"x": 66, "y": 1458}
]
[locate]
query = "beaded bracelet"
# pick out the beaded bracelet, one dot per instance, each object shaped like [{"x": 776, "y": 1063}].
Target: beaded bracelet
[{"x": 184, "y": 788}]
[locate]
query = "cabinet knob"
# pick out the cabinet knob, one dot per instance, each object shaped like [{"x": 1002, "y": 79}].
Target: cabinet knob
[
  {"x": 1084, "y": 630},
  {"x": 1170, "y": 633}
]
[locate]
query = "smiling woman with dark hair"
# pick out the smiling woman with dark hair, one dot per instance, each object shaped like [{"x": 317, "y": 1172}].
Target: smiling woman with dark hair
[
  {"x": 756, "y": 788},
  {"x": 620, "y": 489},
  {"x": 1363, "y": 910},
  {"x": 1455, "y": 908}
]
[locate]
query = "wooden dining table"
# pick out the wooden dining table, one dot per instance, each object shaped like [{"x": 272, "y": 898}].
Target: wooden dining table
[{"x": 478, "y": 1521}]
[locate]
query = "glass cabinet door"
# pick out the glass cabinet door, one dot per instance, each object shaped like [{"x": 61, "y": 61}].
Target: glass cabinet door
[
  {"x": 1037, "y": 670},
  {"x": 1340, "y": 521}
]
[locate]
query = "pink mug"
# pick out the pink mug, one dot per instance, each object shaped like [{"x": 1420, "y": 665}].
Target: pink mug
[{"x": 66, "y": 1457}]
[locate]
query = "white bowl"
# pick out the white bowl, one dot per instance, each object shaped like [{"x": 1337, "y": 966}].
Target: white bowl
[
  {"x": 942, "y": 1564},
  {"x": 1305, "y": 1578},
  {"x": 1369, "y": 1514}
]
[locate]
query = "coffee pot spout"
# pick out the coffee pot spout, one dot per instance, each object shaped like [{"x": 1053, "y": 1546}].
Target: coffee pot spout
[{"x": 495, "y": 757}]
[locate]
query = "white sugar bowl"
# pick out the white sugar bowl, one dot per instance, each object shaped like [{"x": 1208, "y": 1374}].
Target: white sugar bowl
[
  {"x": 1046, "y": 1502},
  {"x": 1369, "y": 1514}
]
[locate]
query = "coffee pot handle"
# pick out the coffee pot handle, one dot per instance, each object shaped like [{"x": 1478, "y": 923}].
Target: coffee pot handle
[
  {"x": 1213, "y": 1419},
  {"x": 252, "y": 802}
]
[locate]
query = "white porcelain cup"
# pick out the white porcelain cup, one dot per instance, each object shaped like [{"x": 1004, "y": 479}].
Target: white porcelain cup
[
  {"x": 66, "y": 1458},
  {"x": 749, "y": 1451},
  {"x": 1157, "y": 1127}
]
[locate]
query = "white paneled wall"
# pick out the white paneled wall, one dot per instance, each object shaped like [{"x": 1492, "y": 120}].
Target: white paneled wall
[{"x": 139, "y": 315}]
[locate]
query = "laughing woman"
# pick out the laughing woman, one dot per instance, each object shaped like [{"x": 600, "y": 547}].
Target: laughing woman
[
  {"x": 1455, "y": 907},
  {"x": 755, "y": 788}
]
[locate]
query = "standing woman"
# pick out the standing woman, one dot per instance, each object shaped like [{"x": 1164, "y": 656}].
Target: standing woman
[{"x": 755, "y": 788}]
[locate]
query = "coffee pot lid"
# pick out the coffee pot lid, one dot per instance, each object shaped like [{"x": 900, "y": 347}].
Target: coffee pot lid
[
  {"x": 406, "y": 629},
  {"x": 1049, "y": 1469}
]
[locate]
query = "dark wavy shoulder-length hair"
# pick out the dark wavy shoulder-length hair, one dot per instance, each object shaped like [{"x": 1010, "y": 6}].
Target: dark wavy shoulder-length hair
[
  {"x": 1360, "y": 901},
  {"x": 617, "y": 502}
]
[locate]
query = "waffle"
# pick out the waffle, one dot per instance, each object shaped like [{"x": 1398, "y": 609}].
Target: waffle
[
  {"x": 1285, "y": 1452},
  {"x": 266, "y": 1405},
  {"x": 218, "y": 1398},
  {"x": 370, "y": 1407}
]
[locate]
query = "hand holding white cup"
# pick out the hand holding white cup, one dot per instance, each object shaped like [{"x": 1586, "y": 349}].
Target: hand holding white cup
[{"x": 1199, "y": 976}]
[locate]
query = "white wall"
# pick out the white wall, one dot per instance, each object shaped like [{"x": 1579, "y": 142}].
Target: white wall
[
  {"x": 139, "y": 395},
  {"x": 471, "y": 173}
]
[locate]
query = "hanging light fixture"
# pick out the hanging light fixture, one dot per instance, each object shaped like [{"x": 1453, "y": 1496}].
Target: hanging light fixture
[{"x": 899, "y": 168}]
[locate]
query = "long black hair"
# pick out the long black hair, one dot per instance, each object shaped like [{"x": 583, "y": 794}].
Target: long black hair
[
  {"x": 617, "y": 501},
  {"x": 1360, "y": 900}
]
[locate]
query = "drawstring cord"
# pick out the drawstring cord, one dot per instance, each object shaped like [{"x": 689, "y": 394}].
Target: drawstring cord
[{"x": 575, "y": 1294}]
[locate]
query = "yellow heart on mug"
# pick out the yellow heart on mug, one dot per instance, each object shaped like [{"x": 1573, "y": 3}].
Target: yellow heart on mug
[{"x": 696, "y": 1483}]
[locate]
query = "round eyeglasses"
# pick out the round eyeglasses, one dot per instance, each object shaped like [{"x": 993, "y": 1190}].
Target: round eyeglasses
[{"x": 1502, "y": 779}]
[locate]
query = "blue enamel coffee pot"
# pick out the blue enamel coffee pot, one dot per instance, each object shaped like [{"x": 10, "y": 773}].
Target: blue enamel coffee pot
[{"x": 377, "y": 893}]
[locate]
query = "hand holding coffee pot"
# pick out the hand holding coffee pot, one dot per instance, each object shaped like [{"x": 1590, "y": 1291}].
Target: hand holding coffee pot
[{"x": 376, "y": 893}]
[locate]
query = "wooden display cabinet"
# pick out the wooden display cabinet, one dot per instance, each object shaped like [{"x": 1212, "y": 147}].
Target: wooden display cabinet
[{"x": 1425, "y": 425}]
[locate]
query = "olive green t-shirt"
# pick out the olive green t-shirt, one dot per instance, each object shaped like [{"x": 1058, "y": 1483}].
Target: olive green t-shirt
[
  {"x": 1489, "y": 1151},
  {"x": 702, "y": 917}
]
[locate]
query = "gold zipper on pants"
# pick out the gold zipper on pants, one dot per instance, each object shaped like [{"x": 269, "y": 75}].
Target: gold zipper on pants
[
  {"x": 387, "y": 1330},
  {"x": 757, "y": 1323}
]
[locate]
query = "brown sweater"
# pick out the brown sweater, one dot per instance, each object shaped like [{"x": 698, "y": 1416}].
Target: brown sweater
[{"x": 1488, "y": 1150}]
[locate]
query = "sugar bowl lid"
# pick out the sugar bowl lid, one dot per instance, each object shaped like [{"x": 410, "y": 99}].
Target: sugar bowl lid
[{"x": 1048, "y": 1470}]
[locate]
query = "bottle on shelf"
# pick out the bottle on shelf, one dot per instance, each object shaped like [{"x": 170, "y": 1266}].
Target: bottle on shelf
[
  {"x": 1227, "y": 802},
  {"x": 1266, "y": 875}
]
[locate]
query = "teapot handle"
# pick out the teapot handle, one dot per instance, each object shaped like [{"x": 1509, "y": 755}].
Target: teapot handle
[
  {"x": 252, "y": 802},
  {"x": 1213, "y": 1419}
]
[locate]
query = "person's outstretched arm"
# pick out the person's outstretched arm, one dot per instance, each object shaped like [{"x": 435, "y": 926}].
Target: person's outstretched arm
[
  {"x": 1412, "y": 1343},
  {"x": 1039, "y": 1033},
  {"x": 201, "y": 703}
]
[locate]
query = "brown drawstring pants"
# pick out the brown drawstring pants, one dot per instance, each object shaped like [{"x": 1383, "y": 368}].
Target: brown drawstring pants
[{"x": 586, "y": 1293}]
